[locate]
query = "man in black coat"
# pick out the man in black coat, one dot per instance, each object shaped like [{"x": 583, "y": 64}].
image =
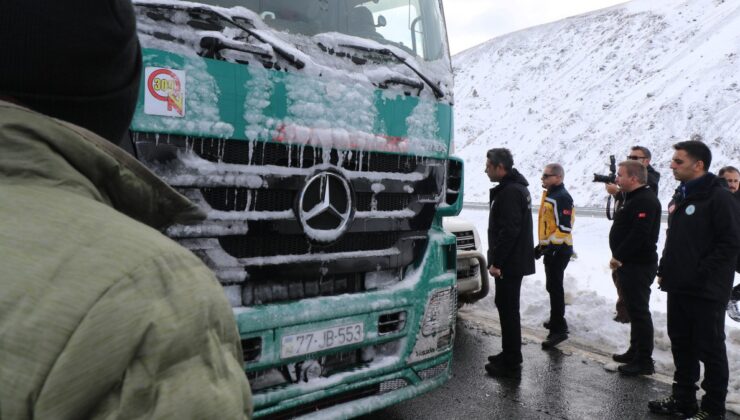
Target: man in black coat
[
  {"x": 510, "y": 254},
  {"x": 731, "y": 176},
  {"x": 639, "y": 154},
  {"x": 633, "y": 241},
  {"x": 736, "y": 290},
  {"x": 697, "y": 270}
]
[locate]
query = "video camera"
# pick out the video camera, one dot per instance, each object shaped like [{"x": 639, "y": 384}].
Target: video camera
[{"x": 612, "y": 177}]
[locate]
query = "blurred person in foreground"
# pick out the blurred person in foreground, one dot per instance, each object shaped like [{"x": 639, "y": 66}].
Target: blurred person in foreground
[
  {"x": 510, "y": 255},
  {"x": 555, "y": 224},
  {"x": 101, "y": 315},
  {"x": 639, "y": 154},
  {"x": 697, "y": 270},
  {"x": 633, "y": 242}
]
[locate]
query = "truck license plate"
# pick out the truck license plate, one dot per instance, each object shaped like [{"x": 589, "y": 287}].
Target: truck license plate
[{"x": 313, "y": 341}]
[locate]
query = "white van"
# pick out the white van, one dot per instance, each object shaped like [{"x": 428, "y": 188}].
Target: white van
[{"x": 472, "y": 269}]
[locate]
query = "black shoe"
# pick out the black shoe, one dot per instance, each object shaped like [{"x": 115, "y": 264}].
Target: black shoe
[
  {"x": 553, "y": 339},
  {"x": 637, "y": 367},
  {"x": 497, "y": 358},
  {"x": 625, "y": 357},
  {"x": 501, "y": 358},
  {"x": 498, "y": 370},
  {"x": 548, "y": 326},
  {"x": 706, "y": 415},
  {"x": 673, "y": 406},
  {"x": 622, "y": 319}
]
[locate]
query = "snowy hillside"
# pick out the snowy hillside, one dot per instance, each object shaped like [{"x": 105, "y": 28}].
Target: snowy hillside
[{"x": 648, "y": 72}]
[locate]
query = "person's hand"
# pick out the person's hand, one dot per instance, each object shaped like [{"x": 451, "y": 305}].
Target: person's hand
[
  {"x": 612, "y": 189},
  {"x": 614, "y": 263},
  {"x": 538, "y": 252},
  {"x": 735, "y": 295},
  {"x": 495, "y": 272}
]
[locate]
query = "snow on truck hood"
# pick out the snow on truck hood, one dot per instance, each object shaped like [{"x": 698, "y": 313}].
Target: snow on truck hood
[{"x": 331, "y": 99}]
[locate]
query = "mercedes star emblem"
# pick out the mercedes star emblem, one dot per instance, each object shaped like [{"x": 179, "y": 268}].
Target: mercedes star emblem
[{"x": 325, "y": 206}]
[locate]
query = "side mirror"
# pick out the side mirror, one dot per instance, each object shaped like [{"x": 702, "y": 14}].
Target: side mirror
[{"x": 381, "y": 22}]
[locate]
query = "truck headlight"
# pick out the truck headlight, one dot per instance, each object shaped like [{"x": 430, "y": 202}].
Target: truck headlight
[{"x": 438, "y": 325}]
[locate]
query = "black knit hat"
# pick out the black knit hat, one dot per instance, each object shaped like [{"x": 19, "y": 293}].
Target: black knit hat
[{"x": 76, "y": 60}]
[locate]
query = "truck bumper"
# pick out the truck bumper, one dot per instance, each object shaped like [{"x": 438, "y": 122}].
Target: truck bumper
[{"x": 354, "y": 399}]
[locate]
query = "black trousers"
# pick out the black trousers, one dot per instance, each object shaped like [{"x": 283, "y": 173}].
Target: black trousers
[
  {"x": 507, "y": 302},
  {"x": 696, "y": 328},
  {"x": 635, "y": 281},
  {"x": 554, "y": 273}
]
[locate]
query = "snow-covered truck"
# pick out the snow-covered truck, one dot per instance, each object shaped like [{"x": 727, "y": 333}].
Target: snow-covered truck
[{"x": 315, "y": 134}]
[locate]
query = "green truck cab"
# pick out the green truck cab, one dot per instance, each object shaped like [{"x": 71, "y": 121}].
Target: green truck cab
[{"x": 315, "y": 135}]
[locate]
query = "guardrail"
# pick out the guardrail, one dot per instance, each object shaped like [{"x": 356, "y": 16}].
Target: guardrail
[{"x": 580, "y": 211}]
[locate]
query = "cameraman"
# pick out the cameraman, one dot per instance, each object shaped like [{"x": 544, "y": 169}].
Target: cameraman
[{"x": 642, "y": 155}]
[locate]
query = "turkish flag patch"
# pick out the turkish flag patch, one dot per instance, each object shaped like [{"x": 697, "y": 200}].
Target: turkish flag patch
[
  {"x": 641, "y": 215},
  {"x": 567, "y": 212}
]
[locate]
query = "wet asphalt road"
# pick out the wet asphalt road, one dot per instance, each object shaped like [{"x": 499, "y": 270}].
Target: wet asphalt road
[{"x": 567, "y": 383}]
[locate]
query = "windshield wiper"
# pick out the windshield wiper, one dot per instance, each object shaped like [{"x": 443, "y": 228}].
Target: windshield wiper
[
  {"x": 214, "y": 45},
  {"x": 405, "y": 82},
  {"x": 388, "y": 53},
  {"x": 221, "y": 18}
]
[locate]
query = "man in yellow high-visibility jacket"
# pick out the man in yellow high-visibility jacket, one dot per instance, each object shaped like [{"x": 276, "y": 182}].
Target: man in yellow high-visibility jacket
[{"x": 556, "y": 244}]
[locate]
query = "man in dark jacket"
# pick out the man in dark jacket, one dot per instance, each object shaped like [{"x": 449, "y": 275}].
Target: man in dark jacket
[
  {"x": 736, "y": 290},
  {"x": 510, "y": 254},
  {"x": 640, "y": 154},
  {"x": 697, "y": 270},
  {"x": 632, "y": 240},
  {"x": 731, "y": 176}
]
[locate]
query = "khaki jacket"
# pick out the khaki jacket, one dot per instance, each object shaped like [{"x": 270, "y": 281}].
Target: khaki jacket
[{"x": 102, "y": 316}]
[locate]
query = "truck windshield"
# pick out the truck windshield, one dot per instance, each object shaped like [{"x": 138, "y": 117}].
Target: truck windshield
[{"x": 416, "y": 26}]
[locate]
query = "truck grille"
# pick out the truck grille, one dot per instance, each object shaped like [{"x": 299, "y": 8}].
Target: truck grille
[
  {"x": 393, "y": 322},
  {"x": 263, "y": 380},
  {"x": 279, "y": 154},
  {"x": 266, "y": 291},
  {"x": 469, "y": 272},
  {"x": 265, "y": 245},
  {"x": 465, "y": 240},
  {"x": 251, "y": 349},
  {"x": 454, "y": 181},
  {"x": 244, "y": 199},
  {"x": 253, "y": 238}
]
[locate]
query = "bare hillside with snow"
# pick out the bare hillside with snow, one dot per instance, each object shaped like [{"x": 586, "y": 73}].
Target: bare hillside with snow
[{"x": 649, "y": 72}]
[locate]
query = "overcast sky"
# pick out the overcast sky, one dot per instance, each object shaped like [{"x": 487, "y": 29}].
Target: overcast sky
[{"x": 471, "y": 22}]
